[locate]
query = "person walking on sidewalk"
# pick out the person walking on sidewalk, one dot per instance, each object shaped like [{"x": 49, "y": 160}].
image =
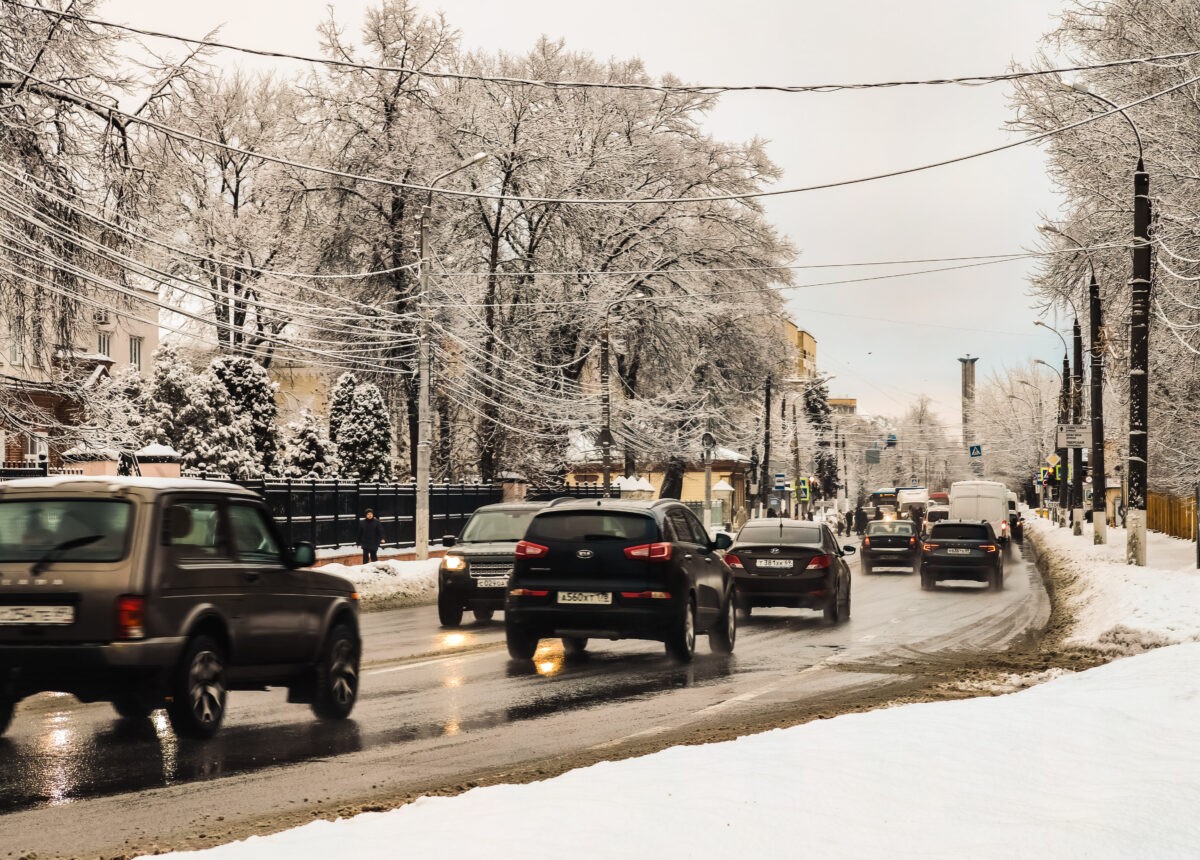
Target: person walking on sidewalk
[{"x": 370, "y": 535}]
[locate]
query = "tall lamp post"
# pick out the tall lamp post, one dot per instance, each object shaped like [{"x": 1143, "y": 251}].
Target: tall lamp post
[
  {"x": 1063, "y": 407},
  {"x": 1065, "y": 416},
  {"x": 424, "y": 417},
  {"x": 1139, "y": 347},
  {"x": 707, "y": 443},
  {"x": 1041, "y": 428},
  {"x": 606, "y": 436}
]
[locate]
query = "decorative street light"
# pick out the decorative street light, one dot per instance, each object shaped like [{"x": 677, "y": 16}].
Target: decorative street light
[{"x": 424, "y": 417}]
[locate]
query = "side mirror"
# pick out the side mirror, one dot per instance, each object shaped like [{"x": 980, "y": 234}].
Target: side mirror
[
  {"x": 723, "y": 541},
  {"x": 302, "y": 555},
  {"x": 448, "y": 540},
  {"x": 849, "y": 550}
]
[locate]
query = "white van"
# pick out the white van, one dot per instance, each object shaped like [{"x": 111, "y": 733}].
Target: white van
[{"x": 981, "y": 500}]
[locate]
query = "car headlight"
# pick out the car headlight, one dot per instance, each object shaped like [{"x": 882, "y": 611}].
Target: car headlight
[{"x": 454, "y": 562}]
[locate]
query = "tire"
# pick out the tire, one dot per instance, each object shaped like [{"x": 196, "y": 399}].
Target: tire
[
  {"x": 681, "y": 641},
  {"x": 7, "y": 707},
  {"x": 198, "y": 690},
  {"x": 867, "y": 567},
  {"x": 831, "y": 610},
  {"x": 132, "y": 706},
  {"x": 450, "y": 611},
  {"x": 574, "y": 646},
  {"x": 843, "y": 607},
  {"x": 747, "y": 610},
  {"x": 723, "y": 636},
  {"x": 336, "y": 675},
  {"x": 996, "y": 580},
  {"x": 926, "y": 580},
  {"x": 521, "y": 646},
  {"x": 483, "y": 616}
]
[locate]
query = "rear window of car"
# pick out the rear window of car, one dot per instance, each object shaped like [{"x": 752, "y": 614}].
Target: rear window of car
[
  {"x": 773, "y": 534},
  {"x": 958, "y": 531},
  {"x": 496, "y": 526},
  {"x": 592, "y": 526},
  {"x": 88, "y": 530},
  {"x": 904, "y": 529}
]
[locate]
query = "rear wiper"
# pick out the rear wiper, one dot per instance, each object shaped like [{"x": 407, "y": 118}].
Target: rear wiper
[{"x": 52, "y": 554}]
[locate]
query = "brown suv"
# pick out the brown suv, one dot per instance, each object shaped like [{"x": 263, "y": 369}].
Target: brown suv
[{"x": 165, "y": 592}]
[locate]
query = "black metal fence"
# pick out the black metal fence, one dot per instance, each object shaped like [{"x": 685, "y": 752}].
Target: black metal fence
[{"x": 12, "y": 470}]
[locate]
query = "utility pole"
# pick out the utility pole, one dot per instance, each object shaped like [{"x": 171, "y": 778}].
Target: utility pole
[
  {"x": 766, "y": 460},
  {"x": 968, "y": 406},
  {"x": 1096, "y": 464},
  {"x": 796, "y": 457},
  {"x": 606, "y": 437},
  {"x": 1077, "y": 418},
  {"x": 1064, "y": 417},
  {"x": 1139, "y": 369}
]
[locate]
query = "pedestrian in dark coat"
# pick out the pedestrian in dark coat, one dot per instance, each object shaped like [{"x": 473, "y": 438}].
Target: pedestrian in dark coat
[
  {"x": 370, "y": 536},
  {"x": 860, "y": 520}
]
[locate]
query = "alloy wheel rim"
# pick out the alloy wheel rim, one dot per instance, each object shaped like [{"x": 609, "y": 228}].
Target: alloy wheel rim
[
  {"x": 689, "y": 630},
  {"x": 731, "y": 623},
  {"x": 207, "y": 688},
  {"x": 343, "y": 674}
]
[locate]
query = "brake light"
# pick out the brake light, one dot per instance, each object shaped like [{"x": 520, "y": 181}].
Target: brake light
[
  {"x": 988, "y": 547},
  {"x": 647, "y": 595},
  {"x": 819, "y": 562},
  {"x": 650, "y": 551},
  {"x": 733, "y": 561},
  {"x": 866, "y": 540},
  {"x": 528, "y": 592},
  {"x": 527, "y": 549},
  {"x": 912, "y": 540},
  {"x": 131, "y": 616},
  {"x": 929, "y": 547}
]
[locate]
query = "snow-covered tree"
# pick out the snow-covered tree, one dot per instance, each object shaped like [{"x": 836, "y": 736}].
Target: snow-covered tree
[
  {"x": 816, "y": 407},
  {"x": 341, "y": 400},
  {"x": 365, "y": 436},
  {"x": 252, "y": 394},
  {"x": 307, "y": 451}
]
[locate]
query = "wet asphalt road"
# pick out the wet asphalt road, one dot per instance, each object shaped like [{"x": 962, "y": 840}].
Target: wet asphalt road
[{"x": 438, "y": 706}]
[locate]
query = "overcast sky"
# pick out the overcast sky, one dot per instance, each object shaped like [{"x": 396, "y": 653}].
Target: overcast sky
[{"x": 885, "y": 341}]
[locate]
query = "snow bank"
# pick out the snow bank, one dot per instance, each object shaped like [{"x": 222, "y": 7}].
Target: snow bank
[
  {"x": 1119, "y": 607},
  {"x": 1104, "y": 763},
  {"x": 387, "y": 583}
]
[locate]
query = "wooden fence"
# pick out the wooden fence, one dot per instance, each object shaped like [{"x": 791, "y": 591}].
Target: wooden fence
[{"x": 1172, "y": 515}]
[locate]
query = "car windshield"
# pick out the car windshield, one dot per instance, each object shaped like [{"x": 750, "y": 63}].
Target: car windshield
[
  {"x": 957, "y": 531},
  {"x": 769, "y": 533},
  {"x": 593, "y": 526},
  {"x": 895, "y": 527},
  {"x": 64, "y": 529},
  {"x": 496, "y": 526}
]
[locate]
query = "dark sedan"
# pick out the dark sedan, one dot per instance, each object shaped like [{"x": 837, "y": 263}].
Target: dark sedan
[
  {"x": 962, "y": 549},
  {"x": 891, "y": 543},
  {"x": 777, "y": 562}
]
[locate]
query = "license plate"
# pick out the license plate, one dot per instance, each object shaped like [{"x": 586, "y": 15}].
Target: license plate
[
  {"x": 47, "y": 615},
  {"x": 492, "y": 581},
  {"x": 773, "y": 562},
  {"x": 954, "y": 550},
  {"x": 597, "y": 597}
]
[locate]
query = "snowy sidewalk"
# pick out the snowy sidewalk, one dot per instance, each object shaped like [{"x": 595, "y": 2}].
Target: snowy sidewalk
[
  {"x": 388, "y": 583},
  {"x": 1098, "y": 764}
]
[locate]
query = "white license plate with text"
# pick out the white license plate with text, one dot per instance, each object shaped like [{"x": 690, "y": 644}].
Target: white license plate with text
[
  {"x": 958, "y": 550},
  {"x": 594, "y": 597},
  {"x": 774, "y": 562},
  {"x": 47, "y": 615},
  {"x": 492, "y": 581}
]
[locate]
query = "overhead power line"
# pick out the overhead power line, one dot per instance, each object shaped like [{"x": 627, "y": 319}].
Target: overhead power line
[{"x": 692, "y": 89}]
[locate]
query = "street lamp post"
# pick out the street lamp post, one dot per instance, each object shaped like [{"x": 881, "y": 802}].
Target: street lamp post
[
  {"x": 606, "y": 436},
  {"x": 424, "y": 417},
  {"x": 1139, "y": 348},
  {"x": 1063, "y": 407},
  {"x": 1076, "y": 418},
  {"x": 707, "y": 443}
]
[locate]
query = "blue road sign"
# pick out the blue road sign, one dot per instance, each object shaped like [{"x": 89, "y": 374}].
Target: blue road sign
[{"x": 976, "y": 450}]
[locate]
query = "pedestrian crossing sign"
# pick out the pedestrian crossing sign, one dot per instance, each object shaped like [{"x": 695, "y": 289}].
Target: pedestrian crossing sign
[
  {"x": 976, "y": 450},
  {"x": 802, "y": 490}
]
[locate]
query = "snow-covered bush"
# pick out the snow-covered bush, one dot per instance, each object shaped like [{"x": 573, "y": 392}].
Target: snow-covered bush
[
  {"x": 252, "y": 395},
  {"x": 364, "y": 442},
  {"x": 307, "y": 451}
]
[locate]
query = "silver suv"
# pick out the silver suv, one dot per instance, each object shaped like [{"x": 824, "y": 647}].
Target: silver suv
[{"x": 165, "y": 592}]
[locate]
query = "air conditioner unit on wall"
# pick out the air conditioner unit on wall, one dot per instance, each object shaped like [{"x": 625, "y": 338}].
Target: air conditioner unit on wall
[{"x": 101, "y": 317}]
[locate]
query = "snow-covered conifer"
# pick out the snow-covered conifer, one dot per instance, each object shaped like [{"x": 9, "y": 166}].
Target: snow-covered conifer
[
  {"x": 340, "y": 400},
  {"x": 307, "y": 451},
  {"x": 364, "y": 442},
  {"x": 252, "y": 395}
]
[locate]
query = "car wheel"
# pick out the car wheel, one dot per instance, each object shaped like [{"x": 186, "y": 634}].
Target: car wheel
[
  {"x": 336, "y": 688},
  {"x": 521, "y": 646},
  {"x": 574, "y": 646},
  {"x": 681, "y": 642},
  {"x": 747, "y": 610},
  {"x": 866, "y": 567},
  {"x": 926, "y": 580},
  {"x": 996, "y": 580},
  {"x": 197, "y": 703},
  {"x": 483, "y": 616},
  {"x": 843, "y": 607},
  {"x": 7, "y": 707},
  {"x": 450, "y": 611},
  {"x": 132, "y": 706},
  {"x": 831, "y": 610},
  {"x": 723, "y": 636}
]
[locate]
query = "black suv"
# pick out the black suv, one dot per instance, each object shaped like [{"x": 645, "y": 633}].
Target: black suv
[
  {"x": 165, "y": 592},
  {"x": 474, "y": 574},
  {"x": 613, "y": 569},
  {"x": 962, "y": 549},
  {"x": 891, "y": 543}
]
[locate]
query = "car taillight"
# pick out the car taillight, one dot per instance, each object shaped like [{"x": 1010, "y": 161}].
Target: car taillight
[
  {"x": 528, "y": 592},
  {"x": 647, "y": 595},
  {"x": 929, "y": 547},
  {"x": 650, "y": 551},
  {"x": 733, "y": 561},
  {"x": 866, "y": 540},
  {"x": 819, "y": 562},
  {"x": 912, "y": 541},
  {"x": 988, "y": 547},
  {"x": 527, "y": 549},
  {"x": 131, "y": 616}
]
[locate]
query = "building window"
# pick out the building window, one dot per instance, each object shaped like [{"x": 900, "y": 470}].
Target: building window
[
  {"x": 104, "y": 343},
  {"x": 135, "y": 352},
  {"x": 36, "y": 448},
  {"x": 16, "y": 355}
]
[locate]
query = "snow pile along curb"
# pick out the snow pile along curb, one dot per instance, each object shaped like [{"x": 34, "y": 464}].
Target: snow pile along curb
[
  {"x": 386, "y": 584},
  {"x": 1117, "y": 607}
]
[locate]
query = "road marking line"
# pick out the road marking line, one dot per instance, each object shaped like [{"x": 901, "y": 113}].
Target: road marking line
[
  {"x": 655, "y": 730},
  {"x": 420, "y": 664}
]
